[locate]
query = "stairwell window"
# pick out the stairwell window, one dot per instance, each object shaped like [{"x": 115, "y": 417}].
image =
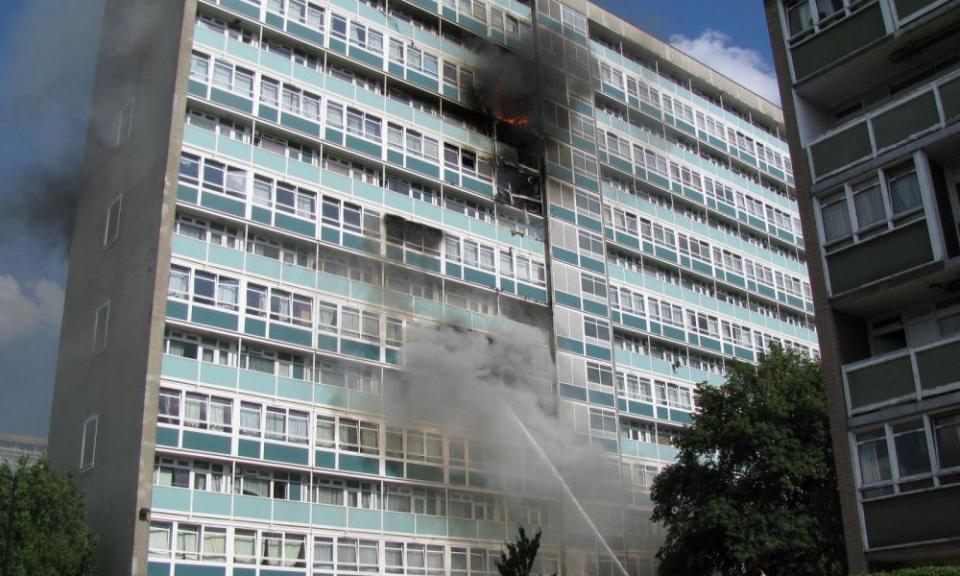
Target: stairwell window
[{"x": 88, "y": 446}]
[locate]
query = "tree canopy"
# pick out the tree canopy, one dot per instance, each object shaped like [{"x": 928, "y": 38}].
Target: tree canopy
[
  {"x": 520, "y": 556},
  {"x": 50, "y": 536},
  {"x": 754, "y": 489}
]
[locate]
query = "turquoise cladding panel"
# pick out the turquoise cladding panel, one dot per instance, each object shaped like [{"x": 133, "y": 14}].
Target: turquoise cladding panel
[{"x": 193, "y": 570}]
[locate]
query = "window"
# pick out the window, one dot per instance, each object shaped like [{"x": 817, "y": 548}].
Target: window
[
  {"x": 904, "y": 188},
  {"x": 281, "y": 549},
  {"x": 666, "y": 313},
  {"x": 112, "y": 226},
  {"x": 599, "y": 374},
  {"x": 366, "y": 38},
  {"x": 596, "y": 329},
  {"x": 88, "y": 445},
  {"x": 639, "y": 431},
  {"x": 476, "y": 255},
  {"x": 467, "y": 207},
  {"x": 593, "y": 285},
  {"x": 208, "y": 413},
  {"x": 299, "y": 102},
  {"x": 101, "y": 323},
  {"x": 947, "y": 439},
  {"x": 168, "y": 411},
  {"x": 230, "y": 77},
  {"x": 876, "y": 204},
  {"x": 357, "y": 436},
  {"x": 250, "y": 421},
  {"x": 288, "y": 307},
  {"x": 199, "y": 67},
  {"x": 910, "y": 441},
  {"x": 286, "y": 425},
  {"x": 307, "y": 13},
  {"x": 874, "y": 458},
  {"x": 160, "y": 539},
  {"x": 223, "y": 179},
  {"x": 634, "y": 387},
  {"x": 835, "y": 218},
  {"x": 584, "y": 165},
  {"x": 673, "y": 395},
  {"x": 210, "y": 289},
  {"x": 868, "y": 203},
  {"x": 244, "y": 546},
  {"x": 603, "y": 421},
  {"x": 363, "y": 124},
  {"x": 355, "y": 323},
  {"x": 590, "y": 243}
]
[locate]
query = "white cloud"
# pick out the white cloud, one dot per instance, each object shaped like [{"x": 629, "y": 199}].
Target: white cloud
[
  {"x": 742, "y": 65},
  {"x": 30, "y": 308}
]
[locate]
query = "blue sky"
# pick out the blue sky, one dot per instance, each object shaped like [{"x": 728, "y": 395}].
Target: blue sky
[{"x": 42, "y": 116}]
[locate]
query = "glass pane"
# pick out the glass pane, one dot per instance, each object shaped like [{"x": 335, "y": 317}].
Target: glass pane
[
  {"x": 912, "y": 455},
  {"x": 869, "y": 206}
]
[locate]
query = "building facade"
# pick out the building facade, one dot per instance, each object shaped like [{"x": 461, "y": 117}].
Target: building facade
[
  {"x": 275, "y": 191},
  {"x": 870, "y": 93},
  {"x": 13, "y": 447}
]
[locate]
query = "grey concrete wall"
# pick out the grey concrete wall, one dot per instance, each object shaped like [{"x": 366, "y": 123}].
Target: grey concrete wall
[
  {"x": 142, "y": 68},
  {"x": 831, "y": 329}
]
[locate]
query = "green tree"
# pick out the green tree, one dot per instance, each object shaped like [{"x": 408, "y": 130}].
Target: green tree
[
  {"x": 50, "y": 536},
  {"x": 519, "y": 557},
  {"x": 754, "y": 489}
]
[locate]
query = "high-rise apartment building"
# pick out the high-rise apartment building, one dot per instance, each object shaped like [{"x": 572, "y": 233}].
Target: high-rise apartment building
[
  {"x": 14, "y": 447},
  {"x": 275, "y": 191},
  {"x": 872, "y": 97}
]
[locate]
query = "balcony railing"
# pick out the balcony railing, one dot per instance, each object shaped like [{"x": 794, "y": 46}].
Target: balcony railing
[
  {"x": 927, "y": 108},
  {"x": 905, "y": 376}
]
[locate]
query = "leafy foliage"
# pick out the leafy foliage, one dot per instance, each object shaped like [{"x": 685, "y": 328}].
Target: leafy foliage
[
  {"x": 520, "y": 555},
  {"x": 50, "y": 536},
  {"x": 754, "y": 488}
]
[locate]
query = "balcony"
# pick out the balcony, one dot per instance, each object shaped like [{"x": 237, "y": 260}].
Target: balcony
[
  {"x": 912, "y": 115},
  {"x": 906, "y": 376}
]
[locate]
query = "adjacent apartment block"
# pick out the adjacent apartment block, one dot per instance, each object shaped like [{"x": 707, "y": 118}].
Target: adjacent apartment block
[
  {"x": 14, "y": 447},
  {"x": 871, "y": 93},
  {"x": 275, "y": 191}
]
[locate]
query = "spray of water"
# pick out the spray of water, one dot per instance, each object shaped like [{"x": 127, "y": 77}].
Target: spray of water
[{"x": 568, "y": 491}]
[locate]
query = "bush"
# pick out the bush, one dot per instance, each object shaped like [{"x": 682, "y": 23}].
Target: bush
[{"x": 922, "y": 571}]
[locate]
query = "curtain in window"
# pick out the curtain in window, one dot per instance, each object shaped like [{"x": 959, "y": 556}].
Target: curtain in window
[
  {"x": 249, "y": 419},
  {"x": 244, "y": 548},
  {"x": 271, "y": 549},
  {"x": 368, "y": 552},
  {"x": 323, "y": 553},
  {"x": 298, "y": 428},
  {"x": 187, "y": 543},
  {"x": 227, "y": 293},
  {"x": 179, "y": 282},
  {"x": 276, "y": 424},
  {"x": 368, "y": 437},
  {"x": 194, "y": 409},
  {"x": 160, "y": 539},
  {"x": 904, "y": 192},
  {"x": 328, "y": 495},
  {"x": 874, "y": 462},
  {"x": 294, "y": 551},
  {"x": 219, "y": 416},
  {"x": 836, "y": 221},
  {"x": 347, "y": 552},
  {"x": 869, "y": 206},
  {"x": 214, "y": 544}
]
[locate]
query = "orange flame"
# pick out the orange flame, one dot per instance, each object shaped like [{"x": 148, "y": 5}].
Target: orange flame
[{"x": 516, "y": 120}]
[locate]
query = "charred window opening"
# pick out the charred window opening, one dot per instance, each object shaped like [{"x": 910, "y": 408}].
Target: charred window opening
[{"x": 412, "y": 235}]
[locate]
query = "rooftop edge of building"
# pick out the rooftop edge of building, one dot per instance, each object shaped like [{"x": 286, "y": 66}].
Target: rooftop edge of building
[{"x": 679, "y": 58}]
